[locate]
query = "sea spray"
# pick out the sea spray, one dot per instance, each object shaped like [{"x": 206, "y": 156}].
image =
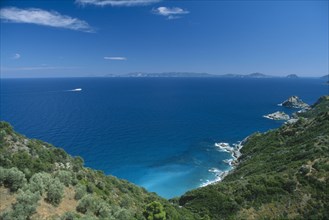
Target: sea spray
[{"x": 233, "y": 162}]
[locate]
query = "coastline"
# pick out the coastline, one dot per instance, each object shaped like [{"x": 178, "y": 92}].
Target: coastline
[{"x": 235, "y": 152}]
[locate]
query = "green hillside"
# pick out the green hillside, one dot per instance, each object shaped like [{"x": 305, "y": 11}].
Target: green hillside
[
  {"x": 282, "y": 174},
  {"x": 40, "y": 181}
]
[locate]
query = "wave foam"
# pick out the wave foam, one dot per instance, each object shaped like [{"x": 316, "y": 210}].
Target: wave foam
[{"x": 75, "y": 90}]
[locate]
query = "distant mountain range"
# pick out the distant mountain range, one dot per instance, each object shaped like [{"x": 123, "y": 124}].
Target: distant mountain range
[
  {"x": 165, "y": 74},
  {"x": 193, "y": 74}
]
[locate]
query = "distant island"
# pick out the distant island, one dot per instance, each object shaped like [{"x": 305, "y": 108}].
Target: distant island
[
  {"x": 199, "y": 75},
  {"x": 190, "y": 74},
  {"x": 292, "y": 76},
  {"x": 164, "y": 74}
]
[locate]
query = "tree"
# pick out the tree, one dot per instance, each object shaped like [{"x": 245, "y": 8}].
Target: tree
[
  {"x": 55, "y": 192},
  {"x": 12, "y": 178},
  {"x": 64, "y": 176},
  {"x": 40, "y": 182},
  {"x": 154, "y": 211},
  {"x": 25, "y": 206}
]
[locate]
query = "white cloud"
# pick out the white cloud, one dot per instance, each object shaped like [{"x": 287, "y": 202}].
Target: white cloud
[
  {"x": 116, "y": 2},
  {"x": 115, "y": 58},
  {"x": 16, "y": 56},
  {"x": 170, "y": 13},
  {"x": 29, "y": 68},
  {"x": 45, "y": 18}
]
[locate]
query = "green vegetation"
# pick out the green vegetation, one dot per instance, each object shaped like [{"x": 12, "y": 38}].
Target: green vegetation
[
  {"x": 38, "y": 173},
  {"x": 24, "y": 207},
  {"x": 155, "y": 211},
  {"x": 282, "y": 174}
]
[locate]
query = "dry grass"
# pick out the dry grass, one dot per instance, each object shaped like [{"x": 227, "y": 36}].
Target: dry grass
[
  {"x": 6, "y": 199},
  {"x": 48, "y": 211}
]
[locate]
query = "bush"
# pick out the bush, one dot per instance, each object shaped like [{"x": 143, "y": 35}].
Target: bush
[
  {"x": 25, "y": 206},
  {"x": 3, "y": 175},
  {"x": 55, "y": 192},
  {"x": 69, "y": 216},
  {"x": 65, "y": 177},
  {"x": 12, "y": 178},
  {"x": 154, "y": 211},
  {"x": 90, "y": 204},
  {"x": 40, "y": 182},
  {"x": 123, "y": 214},
  {"x": 90, "y": 187},
  {"x": 80, "y": 191}
]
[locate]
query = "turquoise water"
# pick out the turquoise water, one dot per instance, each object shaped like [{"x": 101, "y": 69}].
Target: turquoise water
[{"x": 156, "y": 132}]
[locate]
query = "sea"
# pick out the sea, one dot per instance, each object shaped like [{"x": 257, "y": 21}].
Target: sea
[{"x": 158, "y": 133}]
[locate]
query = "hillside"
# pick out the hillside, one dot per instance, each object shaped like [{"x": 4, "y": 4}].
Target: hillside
[
  {"x": 40, "y": 181},
  {"x": 283, "y": 173}
]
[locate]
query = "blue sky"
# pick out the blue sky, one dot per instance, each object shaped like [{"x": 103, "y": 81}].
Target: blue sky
[{"x": 99, "y": 37}]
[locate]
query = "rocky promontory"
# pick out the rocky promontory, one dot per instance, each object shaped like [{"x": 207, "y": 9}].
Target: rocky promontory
[
  {"x": 294, "y": 102},
  {"x": 277, "y": 116}
]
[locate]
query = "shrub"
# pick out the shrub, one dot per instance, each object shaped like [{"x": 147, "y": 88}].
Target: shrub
[
  {"x": 12, "y": 178},
  {"x": 86, "y": 204},
  {"x": 93, "y": 205},
  {"x": 90, "y": 187},
  {"x": 40, "y": 182},
  {"x": 69, "y": 216},
  {"x": 123, "y": 214},
  {"x": 80, "y": 191},
  {"x": 64, "y": 176},
  {"x": 3, "y": 175},
  {"x": 25, "y": 206},
  {"x": 55, "y": 192},
  {"x": 154, "y": 211}
]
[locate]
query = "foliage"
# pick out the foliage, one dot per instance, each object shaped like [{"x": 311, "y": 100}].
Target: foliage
[
  {"x": 40, "y": 182},
  {"x": 93, "y": 205},
  {"x": 154, "y": 211},
  {"x": 80, "y": 191},
  {"x": 24, "y": 207},
  {"x": 55, "y": 192},
  {"x": 48, "y": 169},
  {"x": 64, "y": 176},
  {"x": 12, "y": 178},
  {"x": 283, "y": 173}
]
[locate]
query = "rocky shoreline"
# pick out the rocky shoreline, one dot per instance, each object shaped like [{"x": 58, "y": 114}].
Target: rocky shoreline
[
  {"x": 277, "y": 116},
  {"x": 291, "y": 102},
  {"x": 233, "y": 162}
]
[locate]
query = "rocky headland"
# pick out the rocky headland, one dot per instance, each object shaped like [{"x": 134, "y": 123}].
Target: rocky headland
[{"x": 294, "y": 102}]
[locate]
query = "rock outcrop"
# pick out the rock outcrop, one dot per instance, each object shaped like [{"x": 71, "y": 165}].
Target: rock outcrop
[
  {"x": 294, "y": 102},
  {"x": 277, "y": 116}
]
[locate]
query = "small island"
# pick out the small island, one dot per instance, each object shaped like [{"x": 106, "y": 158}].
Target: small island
[{"x": 294, "y": 102}]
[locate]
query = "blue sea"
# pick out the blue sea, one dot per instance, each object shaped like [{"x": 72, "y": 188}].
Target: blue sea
[{"x": 158, "y": 133}]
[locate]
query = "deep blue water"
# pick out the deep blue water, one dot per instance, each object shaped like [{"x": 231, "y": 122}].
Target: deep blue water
[{"x": 156, "y": 132}]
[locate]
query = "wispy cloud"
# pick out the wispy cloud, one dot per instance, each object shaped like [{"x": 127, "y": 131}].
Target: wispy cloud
[
  {"x": 43, "y": 17},
  {"x": 170, "y": 13},
  {"x": 117, "y": 2},
  {"x": 115, "y": 58},
  {"x": 16, "y": 56},
  {"x": 29, "y": 68}
]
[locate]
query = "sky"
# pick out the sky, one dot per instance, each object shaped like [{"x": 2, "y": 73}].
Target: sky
[{"x": 98, "y": 37}]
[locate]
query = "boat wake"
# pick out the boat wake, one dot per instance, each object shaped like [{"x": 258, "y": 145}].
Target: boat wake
[{"x": 74, "y": 90}]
